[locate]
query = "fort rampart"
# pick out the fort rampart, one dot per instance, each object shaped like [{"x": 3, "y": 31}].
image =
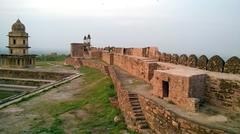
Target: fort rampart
[
  {"x": 160, "y": 119},
  {"x": 191, "y": 80},
  {"x": 214, "y": 63}
]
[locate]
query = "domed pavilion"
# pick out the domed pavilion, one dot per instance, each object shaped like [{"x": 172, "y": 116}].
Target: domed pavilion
[{"x": 18, "y": 56}]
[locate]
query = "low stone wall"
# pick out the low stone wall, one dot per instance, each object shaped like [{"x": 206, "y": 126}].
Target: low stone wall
[
  {"x": 151, "y": 52},
  {"x": 95, "y": 53},
  {"x": 138, "y": 52},
  {"x": 95, "y": 64},
  {"x": 223, "y": 93},
  {"x": 164, "y": 121},
  {"x": 134, "y": 66},
  {"x": 32, "y": 74},
  {"x": 76, "y": 62},
  {"x": 107, "y": 57}
]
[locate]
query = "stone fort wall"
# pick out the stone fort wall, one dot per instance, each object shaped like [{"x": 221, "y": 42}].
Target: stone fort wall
[
  {"x": 220, "y": 91},
  {"x": 160, "y": 119},
  {"x": 214, "y": 63}
]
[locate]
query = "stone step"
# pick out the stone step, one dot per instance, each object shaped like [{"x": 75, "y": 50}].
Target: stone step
[
  {"x": 131, "y": 94},
  {"x": 17, "y": 86},
  {"x": 136, "y": 107},
  {"x": 139, "y": 118},
  {"x": 27, "y": 79},
  {"x": 137, "y": 111},
  {"x": 138, "y": 114},
  {"x": 133, "y": 98},
  {"x": 134, "y": 101}
]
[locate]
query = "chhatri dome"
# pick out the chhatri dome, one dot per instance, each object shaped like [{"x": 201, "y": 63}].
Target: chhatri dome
[{"x": 18, "y": 26}]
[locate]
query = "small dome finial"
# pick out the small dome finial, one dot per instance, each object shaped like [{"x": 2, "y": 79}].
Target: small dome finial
[{"x": 18, "y": 26}]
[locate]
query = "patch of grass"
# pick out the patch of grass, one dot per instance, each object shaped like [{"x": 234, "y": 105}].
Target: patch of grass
[
  {"x": 67, "y": 106},
  {"x": 94, "y": 99},
  {"x": 91, "y": 75},
  {"x": 5, "y": 94},
  {"x": 55, "y": 128}
]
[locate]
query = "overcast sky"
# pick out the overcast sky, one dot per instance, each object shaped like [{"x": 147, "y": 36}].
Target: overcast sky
[{"x": 175, "y": 26}]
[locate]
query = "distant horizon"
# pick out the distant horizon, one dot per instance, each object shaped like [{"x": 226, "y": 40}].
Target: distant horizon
[{"x": 181, "y": 27}]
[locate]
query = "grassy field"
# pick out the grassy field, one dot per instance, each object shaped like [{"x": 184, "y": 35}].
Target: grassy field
[
  {"x": 93, "y": 99},
  {"x": 5, "y": 94}
]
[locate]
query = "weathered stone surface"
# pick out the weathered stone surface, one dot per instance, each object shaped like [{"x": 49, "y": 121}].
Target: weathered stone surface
[
  {"x": 107, "y": 57},
  {"x": 202, "y": 62},
  {"x": 223, "y": 93},
  {"x": 136, "y": 66},
  {"x": 183, "y": 59},
  {"x": 192, "y": 60},
  {"x": 216, "y": 64},
  {"x": 168, "y": 58},
  {"x": 174, "y": 58},
  {"x": 162, "y": 57},
  {"x": 232, "y": 65}
]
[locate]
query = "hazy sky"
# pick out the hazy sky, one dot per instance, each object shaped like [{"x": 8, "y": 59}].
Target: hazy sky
[{"x": 176, "y": 26}]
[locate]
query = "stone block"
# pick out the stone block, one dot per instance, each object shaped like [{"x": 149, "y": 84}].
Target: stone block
[
  {"x": 216, "y": 64},
  {"x": 192, "y": 60},
  {"x": 183, "y": 60},
  {"x": 202, "y": 62},
  {"x": 174, "y": 59},
  {"x": 232, "y": 65}
]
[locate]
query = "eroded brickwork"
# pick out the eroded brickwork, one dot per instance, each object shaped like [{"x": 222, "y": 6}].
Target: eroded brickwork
[
  {"x": 108, "y": 57},
  {"x": 223, "y": 93},
  {"x": 164, "y": 121},
  {"x": 136, "y": 66}
]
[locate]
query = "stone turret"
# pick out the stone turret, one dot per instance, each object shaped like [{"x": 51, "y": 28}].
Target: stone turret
[
  {"x": 18, "y": 39},
  {"x": 18, "y": 56}
]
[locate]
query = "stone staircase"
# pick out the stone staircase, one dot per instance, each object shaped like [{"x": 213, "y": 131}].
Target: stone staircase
[{"x": 138, "y": 116}]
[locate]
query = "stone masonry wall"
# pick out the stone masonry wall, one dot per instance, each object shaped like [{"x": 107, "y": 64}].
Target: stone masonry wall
[
  {"x": 96, "y": 64},
  {"x": 183, "y": 91},
  {"x": 137, "y": 52},
  {"x": 107, "y": 57},
  {"x": 135, "y": 66},
  {"x": 96, "y": 54},
  {"x": 76, "y": 62},
  {"x": 223, "y": 93},
  {"x": 164, "y": 121}
]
